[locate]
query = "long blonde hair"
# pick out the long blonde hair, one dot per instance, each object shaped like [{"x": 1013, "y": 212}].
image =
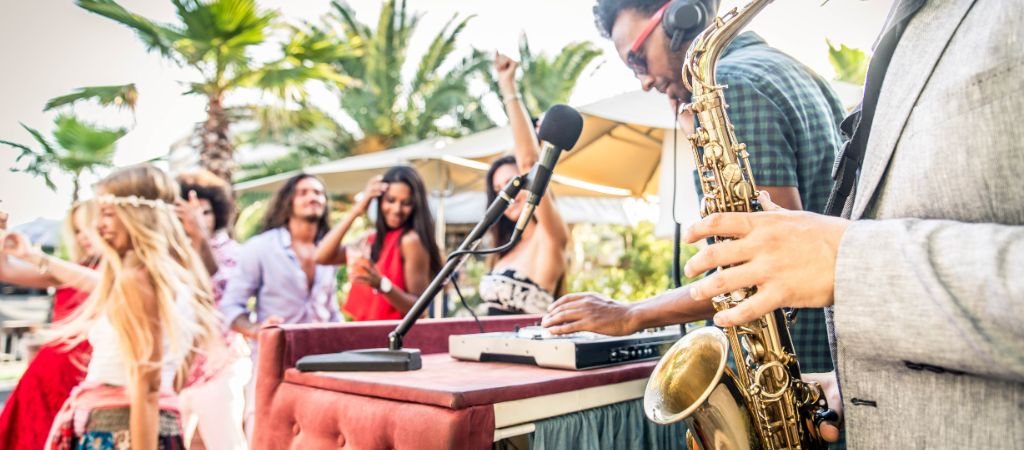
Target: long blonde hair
[{"x": 142, "y": 197}]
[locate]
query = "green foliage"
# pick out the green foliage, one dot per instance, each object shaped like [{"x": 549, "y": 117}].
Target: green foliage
[
  {"x": 212, "y": 36},
  {"x": 624, "y": 263},
  {"x": 850, "y": 64},
  {"x": 250, "y": 217},
  {"x": 121, "y": 96},
  {"x": 79, "y": 147},
  {"x": 312, "y": 134},
  {"x": 215, "y": 38},
  {"x": 388, "y": 110},
  {"x": 548, "y": 81}
]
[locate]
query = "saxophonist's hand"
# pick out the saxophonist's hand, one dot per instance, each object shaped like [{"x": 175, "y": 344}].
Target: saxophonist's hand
[
  {"x": 789, "y": 255},
  {"x": 829, "y": 430}
]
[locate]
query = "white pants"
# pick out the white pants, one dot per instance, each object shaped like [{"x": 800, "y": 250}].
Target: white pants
[{"x": 217, "y": 408}]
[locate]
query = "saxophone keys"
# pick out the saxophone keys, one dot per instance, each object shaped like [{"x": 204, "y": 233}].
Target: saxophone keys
[
  {"x": 741, "y": 150},
  {"x": 755, "y": 350},
  {"x": 738, "y": 295},
  {"x": 705, "y": 207},
  {"x": 731, "y": 172},
  {"x": 703, "y": 136},
  {"x": 743, "y": 189}
]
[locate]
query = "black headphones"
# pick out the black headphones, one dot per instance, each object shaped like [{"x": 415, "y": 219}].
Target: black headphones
[{"x": 684, "y": 20}]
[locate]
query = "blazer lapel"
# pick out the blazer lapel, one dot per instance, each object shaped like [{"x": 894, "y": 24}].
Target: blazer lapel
[{"x": 916, "y": 55}]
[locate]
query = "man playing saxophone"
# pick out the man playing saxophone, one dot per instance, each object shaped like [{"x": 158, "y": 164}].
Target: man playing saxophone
[
  {"x": 787, "y": 115},
  {"x": 925, "y": 269}
]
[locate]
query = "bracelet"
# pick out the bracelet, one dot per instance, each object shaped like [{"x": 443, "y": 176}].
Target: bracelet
[
  {"x": 507, "y": 100},
  {"x": 43, "y": 265}
]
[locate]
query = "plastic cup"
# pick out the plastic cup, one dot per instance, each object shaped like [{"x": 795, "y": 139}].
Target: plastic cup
[{"x": 356, "y": 259}]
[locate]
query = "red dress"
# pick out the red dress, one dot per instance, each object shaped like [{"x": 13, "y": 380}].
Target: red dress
[
  {"x": 45, "y": 385},
  {"x": 366, "y": 303}
]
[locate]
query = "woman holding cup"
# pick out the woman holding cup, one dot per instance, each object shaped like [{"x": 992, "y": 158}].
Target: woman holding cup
[{"x": 392, "y": 265}]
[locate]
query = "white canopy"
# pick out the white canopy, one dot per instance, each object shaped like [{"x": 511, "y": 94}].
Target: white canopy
[{"x": 616, "y": 156}]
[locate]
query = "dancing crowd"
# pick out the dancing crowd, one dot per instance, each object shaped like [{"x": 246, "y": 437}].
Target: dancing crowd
[{"x": 157, "y": 312}]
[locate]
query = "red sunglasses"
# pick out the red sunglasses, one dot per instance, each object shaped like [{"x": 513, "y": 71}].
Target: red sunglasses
[{"x": 635, "y": 58}]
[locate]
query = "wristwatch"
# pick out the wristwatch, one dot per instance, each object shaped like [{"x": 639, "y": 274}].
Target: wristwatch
[{"x": 385, "y": 285}]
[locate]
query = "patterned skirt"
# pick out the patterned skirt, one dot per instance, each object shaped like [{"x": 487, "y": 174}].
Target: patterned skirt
[{"x": 97, "y": 417}]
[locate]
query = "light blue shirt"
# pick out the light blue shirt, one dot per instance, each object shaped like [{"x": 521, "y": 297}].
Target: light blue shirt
[{"x": 268, "y": 269}]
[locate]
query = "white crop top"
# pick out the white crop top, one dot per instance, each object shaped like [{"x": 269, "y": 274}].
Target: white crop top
[{"x": 107, "y": 365}]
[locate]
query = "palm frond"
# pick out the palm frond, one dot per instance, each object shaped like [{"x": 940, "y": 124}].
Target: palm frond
[
  {"x": 314, "y": 44},
  {"x": 439, "y": 50},
  {"x": 39, "y": 164},
  {"x": 390, "y": 109},
  {"x": 253, "y": 171},
  {"x": 153, "y": 35},
  {"x": 121, "y": 96},
  {"x": 313, "y": 134},
  {"x": 547, "y": 81},
  {"x": 48, "y": 149},
  {"x": 348, "y": 19},
  {"x": 86, "y": 146}
]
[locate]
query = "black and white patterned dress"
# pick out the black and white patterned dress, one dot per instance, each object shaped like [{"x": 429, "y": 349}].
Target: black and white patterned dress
[{"x": 506, "y": 291}]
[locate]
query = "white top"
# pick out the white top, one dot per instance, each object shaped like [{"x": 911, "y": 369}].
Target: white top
[{"x": 107, "y": 365}]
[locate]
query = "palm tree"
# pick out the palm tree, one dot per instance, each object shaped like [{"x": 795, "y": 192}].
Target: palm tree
[
  {"x": 389, "y": 110},
  {"x": 312, "y": 133},
  {"x": 80, "y": 147},
  {"x": 214, "y": 37},
  {"x": 548, "y": 81}
]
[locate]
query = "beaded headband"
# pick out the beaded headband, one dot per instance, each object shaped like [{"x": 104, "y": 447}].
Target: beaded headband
[{"x": 131, "y": 200}]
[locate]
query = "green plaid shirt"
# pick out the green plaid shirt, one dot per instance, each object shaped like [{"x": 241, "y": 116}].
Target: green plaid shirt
[{"x": 789, "y": 118}]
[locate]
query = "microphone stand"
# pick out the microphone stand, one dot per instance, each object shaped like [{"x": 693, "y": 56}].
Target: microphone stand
[{"x": 395, "y": 357}]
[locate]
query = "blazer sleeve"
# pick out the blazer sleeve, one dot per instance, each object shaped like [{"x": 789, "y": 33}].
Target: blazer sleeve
[{"x": 936, "y": 292}]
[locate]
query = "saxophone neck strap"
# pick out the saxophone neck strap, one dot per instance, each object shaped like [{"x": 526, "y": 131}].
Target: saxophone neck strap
[{"x": 857, "y": 126}]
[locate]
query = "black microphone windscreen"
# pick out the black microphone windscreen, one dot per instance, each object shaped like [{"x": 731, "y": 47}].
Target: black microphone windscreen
[{"x": 561, "y": 127}]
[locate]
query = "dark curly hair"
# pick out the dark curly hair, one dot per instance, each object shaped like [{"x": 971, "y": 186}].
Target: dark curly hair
[
  {"x": 213, "y": 189},
  {"x": 606, "y": 11}
]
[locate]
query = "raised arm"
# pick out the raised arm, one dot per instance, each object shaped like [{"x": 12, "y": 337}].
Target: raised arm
[
  {"x": 527, "y": 148},
  {"x": 41, "y": 270},
  {"x": 190, "y": 213},
  {"x": 330, "y": 250}
]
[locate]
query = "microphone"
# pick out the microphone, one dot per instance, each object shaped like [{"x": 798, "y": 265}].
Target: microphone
[{"x": 559, "y": 131}]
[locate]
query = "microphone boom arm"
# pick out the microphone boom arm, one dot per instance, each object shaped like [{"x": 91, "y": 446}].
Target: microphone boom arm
[{"x": 494, "y": 212}]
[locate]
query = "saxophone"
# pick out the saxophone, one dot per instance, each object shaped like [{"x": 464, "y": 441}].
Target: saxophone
[{"x": 763, "y": 403}]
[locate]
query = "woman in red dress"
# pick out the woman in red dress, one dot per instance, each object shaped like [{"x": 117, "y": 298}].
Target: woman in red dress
[
  {"x": 400, "y": 257},
  {"x": 55, "y": 370}
]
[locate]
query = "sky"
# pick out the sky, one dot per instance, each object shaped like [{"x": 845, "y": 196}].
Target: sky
[{"x": 50, "y": 47}]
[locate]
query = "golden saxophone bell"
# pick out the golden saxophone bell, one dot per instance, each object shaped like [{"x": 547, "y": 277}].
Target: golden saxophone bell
[{"x": 693, "y": 383}]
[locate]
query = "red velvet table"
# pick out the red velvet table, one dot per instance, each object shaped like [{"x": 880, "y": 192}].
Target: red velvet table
[{"x": 446, "y": 404}]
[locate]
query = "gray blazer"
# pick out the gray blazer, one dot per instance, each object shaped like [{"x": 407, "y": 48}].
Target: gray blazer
[{"x": 929, "y": 279}]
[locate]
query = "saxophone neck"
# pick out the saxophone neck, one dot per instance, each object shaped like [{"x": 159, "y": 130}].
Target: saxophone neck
[{"x": 702, "y": 56}]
